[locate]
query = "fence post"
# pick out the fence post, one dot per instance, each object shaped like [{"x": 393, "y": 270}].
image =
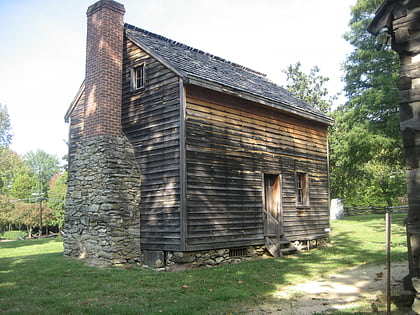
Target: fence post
[{"x": 388, "y": 260}]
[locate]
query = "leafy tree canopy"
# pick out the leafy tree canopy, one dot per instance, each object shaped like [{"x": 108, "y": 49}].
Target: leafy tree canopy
[
  {"x": 309, "y": 87},
  {"x": 11, "y": 165},
  {"x": 21, "y": 178},
  {"x": 5, "y": 127},
  {"x": 366, "y": 149},
  {"x": 43, "y": 166},
  {"x": 371, "y": 75},
  {"x": 57, "y": 195}
]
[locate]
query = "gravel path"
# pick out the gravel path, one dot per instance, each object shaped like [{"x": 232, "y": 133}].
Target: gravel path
[{"x": 364, "y": 285}]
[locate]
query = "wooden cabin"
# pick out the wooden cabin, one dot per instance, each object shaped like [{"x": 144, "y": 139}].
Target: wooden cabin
[
  {"x": 227, "y": 158},
  {"x": 397, "y": 23}
]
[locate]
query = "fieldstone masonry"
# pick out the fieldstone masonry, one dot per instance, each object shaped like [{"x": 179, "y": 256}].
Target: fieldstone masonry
[
  {"x": 176, "y": 260},
  {"x": 102, "y": 221},
  {"x": 214, "y": 257}
]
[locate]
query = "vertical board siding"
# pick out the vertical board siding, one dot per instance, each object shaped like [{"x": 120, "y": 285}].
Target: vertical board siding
[
  {"x": 230, "y": 144},
  {"x": 150, "y": 119}
]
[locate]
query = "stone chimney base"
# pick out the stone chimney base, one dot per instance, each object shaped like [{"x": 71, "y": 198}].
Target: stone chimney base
[{"x": 102, "y": 218}]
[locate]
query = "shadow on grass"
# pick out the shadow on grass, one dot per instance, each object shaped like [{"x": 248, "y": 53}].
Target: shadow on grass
[{"x": 51, "y": 284}]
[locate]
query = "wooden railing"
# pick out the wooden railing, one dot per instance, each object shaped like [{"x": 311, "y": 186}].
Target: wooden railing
[{"x": 352, "y": 211}]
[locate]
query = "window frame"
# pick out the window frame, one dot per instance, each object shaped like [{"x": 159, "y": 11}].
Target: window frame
[
  {"x": 302, "y": 189},
  {"x": 138, "y": 82}
]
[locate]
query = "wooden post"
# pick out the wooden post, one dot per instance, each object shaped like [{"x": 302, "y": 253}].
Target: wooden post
[
  {"x": 40, "y": 217},
  {"x": 388, "y": 261}
]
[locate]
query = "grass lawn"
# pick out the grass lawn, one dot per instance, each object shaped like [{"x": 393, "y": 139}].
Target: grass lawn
[{"x": 36, "y": 279}]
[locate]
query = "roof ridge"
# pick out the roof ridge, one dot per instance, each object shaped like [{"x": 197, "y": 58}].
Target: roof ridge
[{"x": 171, "y": 41}]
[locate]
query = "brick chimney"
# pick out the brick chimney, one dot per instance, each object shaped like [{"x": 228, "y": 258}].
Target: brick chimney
[{"x": 104, "y": 56}]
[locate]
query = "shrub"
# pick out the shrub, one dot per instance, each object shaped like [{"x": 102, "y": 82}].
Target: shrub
[{"x": 14, "y": 235}]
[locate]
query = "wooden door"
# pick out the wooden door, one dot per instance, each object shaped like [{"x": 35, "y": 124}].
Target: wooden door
[{"x": 272, "y": 205}]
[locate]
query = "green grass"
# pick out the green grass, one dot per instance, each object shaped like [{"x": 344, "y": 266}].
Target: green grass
[
  {"x": 13, "y": 235},
  {"x": 36, "y": 279}
]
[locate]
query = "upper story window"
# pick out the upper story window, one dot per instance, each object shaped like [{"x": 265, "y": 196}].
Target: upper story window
[
  {"x": 302, "y": 191},
  {"x": 138, "y": 77}
]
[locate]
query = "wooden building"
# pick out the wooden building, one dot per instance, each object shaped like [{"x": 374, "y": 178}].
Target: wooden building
[
  {"x": 227, "y": 158},
  {"x": 397, "y": 23}
]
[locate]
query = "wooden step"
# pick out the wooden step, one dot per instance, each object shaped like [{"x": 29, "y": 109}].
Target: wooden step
[
  {"x": 272, "y": 247},
  {"x": 288, "y": 250},
  {"x": 278, "y": 248},
  {"x": 284, "y": 242}
]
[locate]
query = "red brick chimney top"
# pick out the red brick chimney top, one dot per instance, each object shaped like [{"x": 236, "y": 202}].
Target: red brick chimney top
[
  {"x": 104, "y": 54},
  {"x": 110, "y": 4}
]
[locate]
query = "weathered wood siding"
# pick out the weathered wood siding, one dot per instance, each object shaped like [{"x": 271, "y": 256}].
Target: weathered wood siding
[
  {"x": 151, "y": 121},
  {"x": 76, "y": 121},
  {"x": 230, "y": 143}
]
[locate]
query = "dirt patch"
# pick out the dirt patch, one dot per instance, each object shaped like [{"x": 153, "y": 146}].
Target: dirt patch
[{"x": 362, "y": 286}]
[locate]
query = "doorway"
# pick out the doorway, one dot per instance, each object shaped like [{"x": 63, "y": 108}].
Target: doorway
[{"x": 272, "y": 205}]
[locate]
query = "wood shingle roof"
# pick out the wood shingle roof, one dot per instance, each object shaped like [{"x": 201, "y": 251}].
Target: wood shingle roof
[{"x": 201, "y": 68}]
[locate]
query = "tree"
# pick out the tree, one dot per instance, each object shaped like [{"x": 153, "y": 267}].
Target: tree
[
  {"x": 6, "y": 212},
  {"x": 43, "y": 166},
  {"x": 309, "y": 87},
  {"x": 358, "y": 159},
  {"x": 24, "y": 185},
  {"x": 371, "y": 75},
  {"x": 5, "y": 127},
  {"x": 56, "y": 201},
  {"x": 27, "y": 214},
  {"x": 22, "y": 178},
  {"x": 11, "y": 164},
  {"x": 366, "y": 159}
]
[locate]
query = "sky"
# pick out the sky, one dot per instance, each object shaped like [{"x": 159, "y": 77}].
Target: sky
[{"x": 43, "y": 48}]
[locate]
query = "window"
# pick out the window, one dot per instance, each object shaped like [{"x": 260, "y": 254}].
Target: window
[
  {"x": 138, "y": 77},
  {"x": 302, "y": 195}
]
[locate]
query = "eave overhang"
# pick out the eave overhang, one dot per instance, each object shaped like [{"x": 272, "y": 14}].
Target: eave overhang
[
  {"x": 383, "y": 18},
  {"x": 74, "y": 102},
  {"x": 294, "y": 110}
]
